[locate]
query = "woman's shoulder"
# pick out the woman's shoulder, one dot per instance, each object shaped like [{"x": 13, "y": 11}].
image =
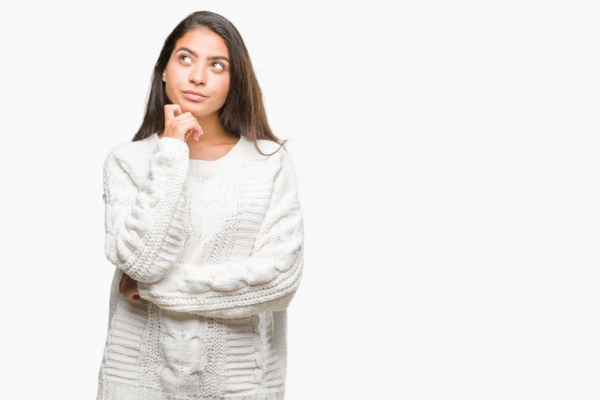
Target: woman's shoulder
[
  {"x": 131, "y": 157},
  {"x": 271, "y": 151},
  {"x": 275, "y": 158},
  {"x": 129, "y": 151}
]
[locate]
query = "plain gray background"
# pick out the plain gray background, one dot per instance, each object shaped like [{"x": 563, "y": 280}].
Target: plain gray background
[{"x": 447, "y": 158}]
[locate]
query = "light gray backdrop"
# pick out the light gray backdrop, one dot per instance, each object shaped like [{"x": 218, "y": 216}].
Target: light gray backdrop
[{"x": 447, "y": 157}]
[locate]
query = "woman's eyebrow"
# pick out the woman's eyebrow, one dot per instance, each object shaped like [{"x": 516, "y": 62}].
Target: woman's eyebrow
[
  {"x": 219, "y": 58},
  {"x": 192, "y": 52}
]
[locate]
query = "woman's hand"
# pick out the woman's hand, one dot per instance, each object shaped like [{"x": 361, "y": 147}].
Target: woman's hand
[
  {"x": 180, "y": 125},
  {"x": 128, "y": 287}
]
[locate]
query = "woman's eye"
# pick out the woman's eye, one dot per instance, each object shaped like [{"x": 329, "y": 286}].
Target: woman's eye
[
  {"x": 218, "y": 66},
  {"x": 185, "y": 59}
]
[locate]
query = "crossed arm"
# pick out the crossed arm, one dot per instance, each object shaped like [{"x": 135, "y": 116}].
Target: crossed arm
[{"x": 267, "y": 280}]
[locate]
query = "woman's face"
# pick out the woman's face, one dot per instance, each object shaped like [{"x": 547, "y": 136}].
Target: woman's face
[{"x": 197, "y": 74}]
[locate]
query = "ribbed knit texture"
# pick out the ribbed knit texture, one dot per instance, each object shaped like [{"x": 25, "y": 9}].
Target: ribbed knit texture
[{"x": 216, "y": 248}]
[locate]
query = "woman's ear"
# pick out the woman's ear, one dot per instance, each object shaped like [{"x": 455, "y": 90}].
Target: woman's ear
[{"x": 163, "y": 76}]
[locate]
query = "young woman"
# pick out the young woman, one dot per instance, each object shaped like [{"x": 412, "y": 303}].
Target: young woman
[{"x": 204, "y": 227}]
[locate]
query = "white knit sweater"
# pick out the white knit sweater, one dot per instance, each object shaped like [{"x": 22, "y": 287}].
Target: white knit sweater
[{"x": 217, "y": 250}]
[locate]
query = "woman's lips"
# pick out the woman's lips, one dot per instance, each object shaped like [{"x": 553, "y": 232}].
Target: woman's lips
[{"x": 194, "y": 96}]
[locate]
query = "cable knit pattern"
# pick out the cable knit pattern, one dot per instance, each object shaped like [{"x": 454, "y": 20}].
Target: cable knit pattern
[
  {"x": 216, "y": 247},
  {"x": 144, "y": 206}
]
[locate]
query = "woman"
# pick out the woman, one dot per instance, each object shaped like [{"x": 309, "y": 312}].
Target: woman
[{"x": 204, "y": 227}]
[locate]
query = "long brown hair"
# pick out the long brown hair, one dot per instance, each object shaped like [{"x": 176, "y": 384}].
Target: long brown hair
[{"x": 243, "y": 113}]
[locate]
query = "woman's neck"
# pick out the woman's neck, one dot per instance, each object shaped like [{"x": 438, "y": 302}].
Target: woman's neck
[{"x": 214, "y": 143}]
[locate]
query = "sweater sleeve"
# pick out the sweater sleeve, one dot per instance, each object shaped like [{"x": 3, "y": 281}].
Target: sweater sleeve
[
  {"x": 143, "y": 210},
  {"x": 266, "y": 281}
]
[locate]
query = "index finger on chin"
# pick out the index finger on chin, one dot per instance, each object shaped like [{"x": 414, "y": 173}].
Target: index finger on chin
[{"x": 171, "y": 111}]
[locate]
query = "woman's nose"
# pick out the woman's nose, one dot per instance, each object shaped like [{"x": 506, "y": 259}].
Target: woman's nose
[{"x": 198, "y": 76}]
